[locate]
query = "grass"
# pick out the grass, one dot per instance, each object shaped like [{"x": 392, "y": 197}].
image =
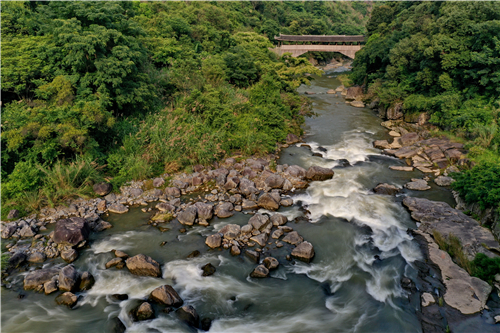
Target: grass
[{"x": 454, "y": 248}]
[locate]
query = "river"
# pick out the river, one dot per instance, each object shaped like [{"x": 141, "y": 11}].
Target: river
[{"x": 352, "y": 285}]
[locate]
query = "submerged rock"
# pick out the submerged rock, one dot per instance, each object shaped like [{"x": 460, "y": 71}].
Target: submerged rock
[
  {"x": 208, "y": 270},
  {"x": 143, "y": 265},
  {"x": 68, "y": 299},
  {"x": 188, "y": 315},
  {"x": 144, "y": 312},
  {"x": 386, "y": 189}
]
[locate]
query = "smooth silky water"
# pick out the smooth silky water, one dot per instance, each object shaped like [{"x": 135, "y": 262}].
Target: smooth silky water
[{"x": 352, "y": 285}]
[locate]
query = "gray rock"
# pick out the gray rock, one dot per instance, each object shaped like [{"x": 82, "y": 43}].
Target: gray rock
[
  {"x": 8, "y": 229},
  {"x": 205, "y": 211},
  {"x": 113, "y": 262},
  {"x": 293, "y": 238},
  {"x": 50, "y": 286},
  {"x": 14, "y": 213},
  {"x": 253, "y": 255},
  {"x": 318, "y": 173},
  {"x": 409, "y": 139},
  {"x": 102, "y": 225},
  {"x": 259, "y": 221},
  {"x": 417, "y": 185},
  {"x": 38, "y": 278},
  {"x": 67, "y": 298},
  {"x": 439, "y": 216},
  {"x": 291, "y": 139},
  {"x": 274, "y": 181},
  {"x": 304, "y": 252},
  {"x": 17, "y": 259},
  {"x": 188, "y": 216},
  {"x": 27, "y": 232},
  {"x": 287, "y": 185},
  {"x": 157, "y": 182},
  {"x": 224, "y": 210},
  {"x": 277, "y": 233},
  {"x": 287, "y": 202},
  {"x": 144, "y": 312},
  {"x": 231, "y": 183},
  {"x": 188, "y": 315},
  {"x": 278, "y": 219},
  {"x": 166, "y": 295},
  {"x": 260, "y": 239},
  {"x": 247, "y": 187},
  {"x": 117, "y": 208},
  {"x": 214, "y": 241},
  {"x": 86, "y": 281},
  {"x": 271, "y": 263},
  {"x": 37, "y": 257},
  {"x": 230, "y": 231},
  {"x": 69, "y": 279},
  {"x": 246, "y": 229},
  {"x": 172, "y": 192},
  {"x": 260, "y": 272},
  {"x": 165, "y": 207},
  {"x": 443, "y": 181},
  {"x": 143, "y": 265},
  {"x": 267, "y": 201},
  {"x": 71, "y": 231},
  {"x": 249, "y": 204},
  {"x": 102, "y": 189},
  {"x": 69, "y": 255},
  {"x": 386, "y": 189},
  {"x": 208, "y": 270},
  {"x": 296, "y": 171}
]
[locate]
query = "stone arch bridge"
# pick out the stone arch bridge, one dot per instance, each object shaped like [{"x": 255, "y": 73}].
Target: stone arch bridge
[{"x": 297, "y": 45}]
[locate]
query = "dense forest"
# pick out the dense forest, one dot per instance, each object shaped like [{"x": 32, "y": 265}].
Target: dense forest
[
  {"x": 442, "y": 58},
  {"x": 129, "y": 90}
]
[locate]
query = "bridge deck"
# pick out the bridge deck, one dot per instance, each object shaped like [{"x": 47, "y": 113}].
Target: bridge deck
[
  {"x": 296, "y": 50},
  {"x": 322, "y": 39}
]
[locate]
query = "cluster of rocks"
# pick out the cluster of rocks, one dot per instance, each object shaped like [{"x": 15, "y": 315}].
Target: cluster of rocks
[
  {"x": 140, "y": 264},
  {"x": 68, "y": 280},
  {"x": 263, "y": 231}
]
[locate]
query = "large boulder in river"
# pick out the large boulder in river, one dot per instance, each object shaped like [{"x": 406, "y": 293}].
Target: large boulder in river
[
  {"x": 247, "y": 187},
  {"x": 224, "y": 210},
  {"x": 386, "y": 189},
  {"x": 188, "y": 315},
  {"x": 267, "y": 201},
  {"x": 354, "y": 93},
  {"x": 188, "y": 216},
  {"x": 260, "y": 272},
  {"x": 172, "y": 192},
  {"x": 71, "y": 231},
  {"x": 259, "y": 221},
  {"x": 318, "y": 173},
  {"x": 166, "y": 295},
  {"x": 230, "y": 231},
  {"x": 296, "y": 171},
  {"x": 304, "y": 251},
  {"x": 69, "y": 299},
  {"x": 102, "y": 189},
  {"x": 293, "y": 238},
  {"x": 143, "y": 265},
  {"x": 144, "y": 312},
  {"x": 37, "y": 278},
  {"x": 205, "y": 211},
  {"x": 69, "y": 279},
  {"x": 214, "y": 241},
  {"x": 274, "y": 181}
]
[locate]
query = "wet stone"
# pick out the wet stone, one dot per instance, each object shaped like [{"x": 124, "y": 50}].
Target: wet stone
[
  {"x": 208, "y": 269},
  {"x": 293, "y": 238},
  {"x": 260, "y": 272},
  {"x": 69, "y": 299}
]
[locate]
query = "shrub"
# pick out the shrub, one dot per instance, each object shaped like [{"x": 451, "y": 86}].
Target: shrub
[{"x": 485, "y": 268}]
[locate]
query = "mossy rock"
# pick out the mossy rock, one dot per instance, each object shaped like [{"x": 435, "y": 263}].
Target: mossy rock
[{"x": 161, "y": 217}]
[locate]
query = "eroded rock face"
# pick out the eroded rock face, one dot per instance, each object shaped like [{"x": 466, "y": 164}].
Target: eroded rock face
[
  {"x": 439, "y": 216},
  {"x": 166, "y": 295},
  {"x": 463, "y": 292},
  {"x": 71, "y": 231},
  {"x": 143, "y": 265},
  {"x": 318, "y": 173}
]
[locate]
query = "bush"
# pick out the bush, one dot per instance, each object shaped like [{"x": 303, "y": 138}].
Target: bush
[
  {"x": 485, "y": 268},
  {"x": 480, "y": 184}
]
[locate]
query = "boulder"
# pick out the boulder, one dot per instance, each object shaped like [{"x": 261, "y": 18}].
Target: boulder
[
  {"x": 13, "y": 213},
  {"x": 208, "y": 270},
  {"x": 266, "y": 201},
  {"x": 259, "y": 221},
  {"x": 165, "y": 207},
  {"x": 69, "y": 279},
  {"x": 172, "y": 192},
  {"x": 230, "y": 231},
  {"x": 453, "y": 155},
  {"x": 157, "y": 182},
  {"x": 38, "y": 278},
  {"x": 318, "y": 173},
  {"x": 71, "y": 231},
  {"x": 296, "y": 171},
  {"x": 235, "y": 251},
  {"x": 118, "y": 208},
  {"x": 287, "y": 202},
  {"x": 188, "y": 216},
  {"x": 386, "y": 189},
  {"x": 260, "y": 272},
  {"x": 27, "y": 231},
  {"x": 113, "y": 262},
  {"x": 417, "y": 185},
  {"x": 249, "y": 204},
  {"x": 401, "y": 168},
  {"x": 395, "y": 112},
  {"x": 260, "y": 239},
  {"x": 381, "y": 144},
  {"x": 271, "y": 263},
  {"x": 86, "y": 281},
  {"x": 293, "y": 238},
  {"x": 166, "y": 295},
  {"x": 162, "y": 217},
  {"x": 144, "y": 312},
  {"x": 214, "y": 241},
  {"x": 253, "y": 255},
  {"x": 291, "y": 139},
  {"x": 354, "y": 93},
  {"x": 50, "y": 286},
  {"x": 102, "y": 189},
  {"x": 304, "y": 252},
  {"x": 37, "y": 257},
  {"x": 427, "y": 299},
  {"x": 443, "y": 181},
  {"x": 278, "y": 219},
  {"x": 17, "y": 259},
  {"x": 407, "y": 152},
  {"x": 231, "y": 183},
  {"x": 247, "y": 187},
  {"x": 69, "y": 255},
  {"x": 188, "y": 315},
  {"x": 143, "y": 265},
  {"x": 246, "y": 229},
  {"x": 224, "y": 210},
  {"x": 274, "y": 181},
  {"x": 8, "y": 229},
  {"x": 67, "y": 298},
  {"x": 357, "y": 104},
  {"x": 409, "y": 139},
  {"x": 205, "y": 211}
]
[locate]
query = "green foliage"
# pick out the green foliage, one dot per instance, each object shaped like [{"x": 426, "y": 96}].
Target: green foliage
[
  {"x": 454, "y": 248},
  {"x": 486, "y": 268},
  {"x": 476, "y": 185}
]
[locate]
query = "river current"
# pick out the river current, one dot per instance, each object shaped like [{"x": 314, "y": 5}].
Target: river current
[{"x": 352, "y": 285}]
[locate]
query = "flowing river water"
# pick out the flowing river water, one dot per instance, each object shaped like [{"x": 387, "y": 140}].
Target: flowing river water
[{"x": 352, "y": 285}]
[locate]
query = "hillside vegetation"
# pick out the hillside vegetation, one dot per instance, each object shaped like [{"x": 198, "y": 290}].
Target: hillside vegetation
[
  {"x": 442, "y": 58},
  {"x": 129, "y": 90}
]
